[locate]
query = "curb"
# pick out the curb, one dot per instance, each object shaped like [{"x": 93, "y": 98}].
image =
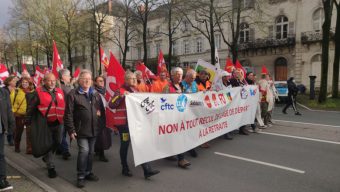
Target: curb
[{"x": 35, "y": 180}]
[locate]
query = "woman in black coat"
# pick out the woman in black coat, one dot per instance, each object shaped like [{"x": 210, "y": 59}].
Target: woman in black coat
[{"x": 103, "y": 141}]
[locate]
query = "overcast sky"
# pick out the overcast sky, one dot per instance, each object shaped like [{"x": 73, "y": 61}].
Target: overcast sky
[{"x": 4, "y": 11}]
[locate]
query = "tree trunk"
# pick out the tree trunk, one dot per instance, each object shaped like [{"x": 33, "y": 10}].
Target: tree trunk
[
  {"x": 335, "y": 88},
  {"x": 145, "y": 57},
  {"x": 69, "y": 52},
  {"x": 100, "y": 61},
  {"x": 212, "y": 34},
  {"x": 325, "y": 50},
  {"x": 48, "y": 60},
  {"x": 145, "y": 26},
  {"x": 170, "y": 38}
]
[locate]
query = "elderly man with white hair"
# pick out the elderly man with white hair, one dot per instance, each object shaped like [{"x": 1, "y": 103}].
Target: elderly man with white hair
[{"x": 81, "y": 121}]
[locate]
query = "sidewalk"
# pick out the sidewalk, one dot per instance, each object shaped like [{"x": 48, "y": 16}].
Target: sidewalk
[{"x": 20, "y": 182}]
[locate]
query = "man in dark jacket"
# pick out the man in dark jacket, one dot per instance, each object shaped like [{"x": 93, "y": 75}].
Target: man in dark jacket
[
  {"x": 7, "y": 123},
  {"x": 292, "y": 93},
  {"x": 81, "y": 122}
]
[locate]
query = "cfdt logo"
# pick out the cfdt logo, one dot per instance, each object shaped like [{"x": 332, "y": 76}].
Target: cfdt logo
[
  {"x": 148, "y": 105},
  {"x": 166, "y": 106},
  {"x": 181, "y": 103},
  {"x": 244, "y": 93},
  {"x": 253, "y": 92}
]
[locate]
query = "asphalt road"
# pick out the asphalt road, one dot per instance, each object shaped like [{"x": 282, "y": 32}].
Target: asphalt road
[{"x": 256, "y": 163}]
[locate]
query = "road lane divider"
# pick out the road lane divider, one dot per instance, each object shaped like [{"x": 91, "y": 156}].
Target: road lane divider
[
  {"x": 261, "y": 163},
  {"x": 304, "y": 123},
  {"x": 302, "y": 138}
]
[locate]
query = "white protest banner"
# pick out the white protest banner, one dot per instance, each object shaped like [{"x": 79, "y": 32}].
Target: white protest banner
[{"x": 163, "y": 125}]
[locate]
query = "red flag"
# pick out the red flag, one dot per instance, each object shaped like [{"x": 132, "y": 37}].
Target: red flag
[
  {"x": 229, "y": 67},
  {"x": 23, "y": 67},
  {"x": 240, "y": 68},
  {"x": 76, "y": 73},
  {"x": 161, "y": 63},
  {"x": 3, "y": 72},
  {"x": 103, "y": 58},
  {"x": 147, "y": 73},
  {"x": 39, "y": 74},
  {"x": 57, "y": 63},
  {"x": 114, "y": 80}
]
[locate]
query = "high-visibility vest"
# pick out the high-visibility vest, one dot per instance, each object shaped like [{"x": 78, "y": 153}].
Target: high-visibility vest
[
  {"x": 57, "y": 109},
  {"x": 201, "y": 87},
  {"x": 117, "y": 103}
]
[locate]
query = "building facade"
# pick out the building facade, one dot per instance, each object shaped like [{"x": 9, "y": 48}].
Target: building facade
[{"x": 287, "y": 42}]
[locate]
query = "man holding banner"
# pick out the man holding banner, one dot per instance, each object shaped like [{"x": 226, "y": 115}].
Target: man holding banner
[
  {"x": 175, "y": 87},
  {"x": 120, "y": 120}
]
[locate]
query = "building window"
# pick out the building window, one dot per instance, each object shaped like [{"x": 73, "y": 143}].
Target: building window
[
  {"x": 158, "y": 48},
  {"x": 84, "y": 51},
  {"x": 76, "y": 51},
  {"x": 244, "y": 32},
  {"x": 186, "y": 26},
  {"x": 318, "y": 18},
  {"x": 158, "y": 29},
  {"x": 148, "y": 49},
  {"x": 315, "y": 66},
  {"x": 247, "y": 4},
  {"x": 139, "y": 52},
  {"x": 199, "y": 45},
  {"x": 174, "y": 48},
  {"x": 281, "y": 27},
  {"x": 218, "y": 41},
  {"x": 186, "y": 47}
]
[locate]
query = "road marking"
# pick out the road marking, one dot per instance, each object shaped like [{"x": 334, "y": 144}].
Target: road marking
[
  {"x": 261, "y": 163},
  {"x": 302, "y": 138},
  {"x": 297, "y": 122},
  {"x": 309, "y": 109}
]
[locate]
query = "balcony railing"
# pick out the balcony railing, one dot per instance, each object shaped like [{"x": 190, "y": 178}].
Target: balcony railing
[
  {"x": 78, "y": 59},
  {"x": 268, "y": 43},
  {"x": 311, "y": 36},
  {"x": 276, "y": 1}
]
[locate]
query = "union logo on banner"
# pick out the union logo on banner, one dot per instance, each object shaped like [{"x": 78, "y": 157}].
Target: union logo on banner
[{"x": 181, "y": 103}]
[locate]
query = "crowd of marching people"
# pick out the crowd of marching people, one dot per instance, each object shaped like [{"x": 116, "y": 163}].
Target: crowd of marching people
[{"x": 76, "y": 109}]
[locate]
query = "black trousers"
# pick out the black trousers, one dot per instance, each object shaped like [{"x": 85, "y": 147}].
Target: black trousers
[
  {"x": 124, "y": 144},
  {"x": 124, "y": 147},
  {"x": 2, "y": 158},
  {"x": 290, "y": 102}
]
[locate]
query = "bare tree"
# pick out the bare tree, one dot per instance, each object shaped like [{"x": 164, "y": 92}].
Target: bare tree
[
  {"x": 201, "y": 16},
  {"x": 125, "y": 20},
  {"x": 172, "y": 9},
  {"x": 143, "y": 9},
  {"x": 99, "y": 10},
  {"x": 335, "y": 82},
  {"x": 328, "y": 7},
  {"x": 69, "y": 26}
]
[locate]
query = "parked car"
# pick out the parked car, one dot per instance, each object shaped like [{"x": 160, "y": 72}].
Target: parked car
[{"x": 282, "y": 89}]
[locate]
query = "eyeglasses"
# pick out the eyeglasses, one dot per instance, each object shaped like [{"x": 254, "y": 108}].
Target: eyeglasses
[{"x": 86, "y": 79}]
